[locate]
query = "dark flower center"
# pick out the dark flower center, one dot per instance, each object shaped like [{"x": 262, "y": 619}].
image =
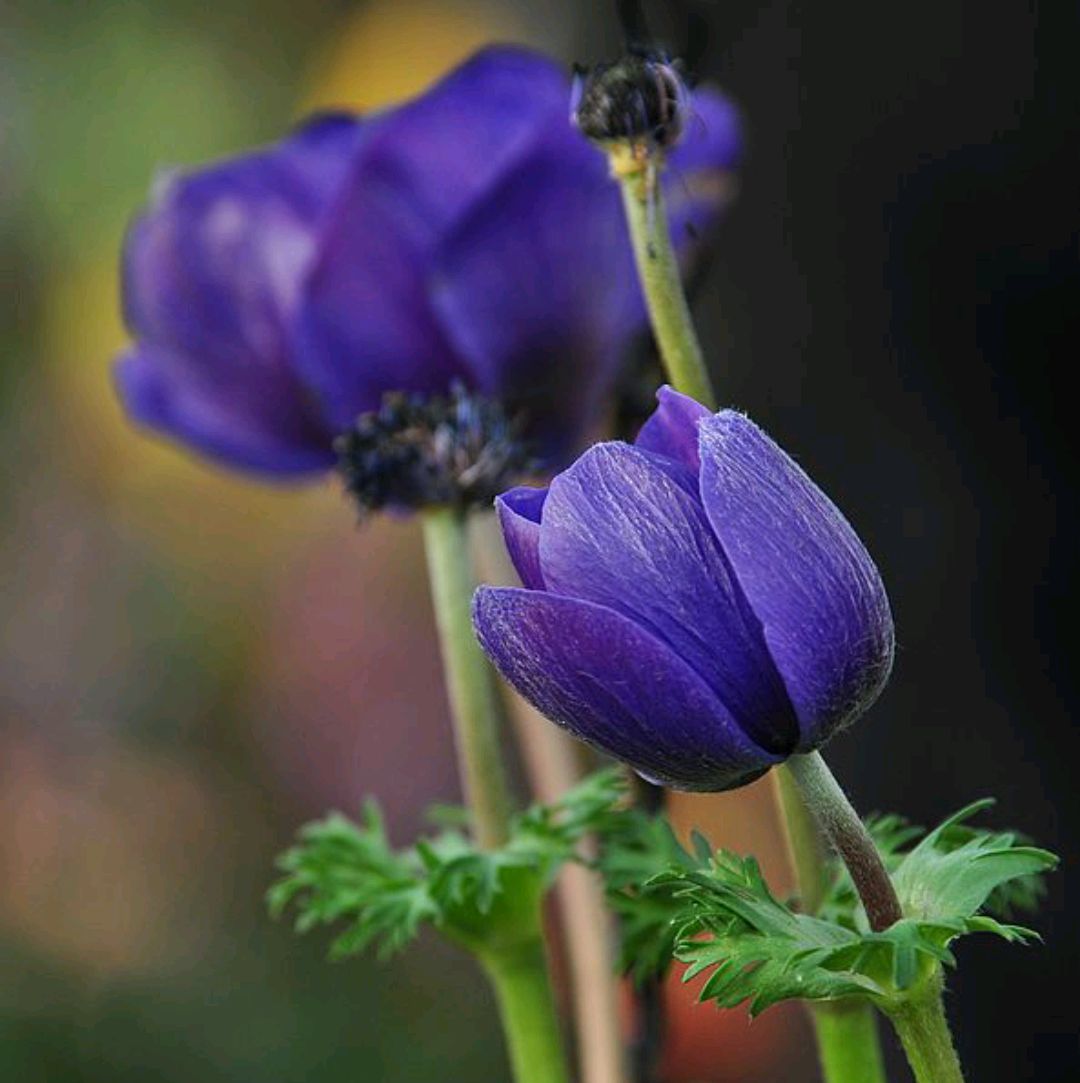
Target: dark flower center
[
  {"x": 415, "y": 451},
  {"x": 638, "y": 99}
]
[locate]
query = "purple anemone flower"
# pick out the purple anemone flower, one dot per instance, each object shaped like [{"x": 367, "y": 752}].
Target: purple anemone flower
[
  {"x": 470, "y": 238},
  {"x": 692, "y": 604}
]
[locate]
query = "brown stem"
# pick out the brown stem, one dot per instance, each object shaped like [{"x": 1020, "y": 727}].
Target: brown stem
[{"x": 843, "y": 828}]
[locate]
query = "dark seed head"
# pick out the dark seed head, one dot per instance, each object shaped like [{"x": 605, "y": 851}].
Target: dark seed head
[
  {"x": 638, "y": 99},
  {"x": 415, "y": 451}
]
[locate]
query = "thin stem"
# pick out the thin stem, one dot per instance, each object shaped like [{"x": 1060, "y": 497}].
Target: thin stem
[
  {"x": 647, "y": 1048},
  {"x": 848, "y": 1042},
  {"x": 553, "y": 764},
  {"x": 924, "y": 1033},
  {"x": 527, "y": 1009},
  {"x": 470, "y": 683},
  {"x": 517, "y": 967},
  {"x": 842, "y": 827},
  {"x": 658, "y": 270},
  {"x": 804, "y": 846}
]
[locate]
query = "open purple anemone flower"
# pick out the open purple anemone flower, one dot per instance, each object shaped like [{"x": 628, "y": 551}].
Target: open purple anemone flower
[
  {"x": 693, "y": 604},
  {"x": 469, "y": 238}
]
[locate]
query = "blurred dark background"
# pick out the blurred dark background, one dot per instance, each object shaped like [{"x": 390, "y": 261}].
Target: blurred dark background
[{"x": 191, "y": 665}]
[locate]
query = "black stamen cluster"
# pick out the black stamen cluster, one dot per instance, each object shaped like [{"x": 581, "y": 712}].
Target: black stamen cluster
[
  {"x": 638, "y": 99},
  {"x": 416, "y": 451}
]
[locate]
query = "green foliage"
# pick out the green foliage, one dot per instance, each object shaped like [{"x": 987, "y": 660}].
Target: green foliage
[
  {"x": 346, "y": 872},
  {"x": 635, "y": 846},
  {"x": 716, "y": 913},
  {"x": 953, "y": 849}
]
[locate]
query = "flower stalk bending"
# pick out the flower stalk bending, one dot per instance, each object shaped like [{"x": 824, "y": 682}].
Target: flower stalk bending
[{"x": 842, "y": 827}]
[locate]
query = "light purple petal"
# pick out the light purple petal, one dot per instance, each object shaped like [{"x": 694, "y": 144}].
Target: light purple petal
[
  {"x": 612, "y": 683},
  {"x": 212, "y": 269},
  {"x": 519, "y": 512},
  {"x": 625, "y": 529},
  {"x": 671, "y": 431},
  {"x": 241, "y": 430},
  {"x": 804, "y": 571}
]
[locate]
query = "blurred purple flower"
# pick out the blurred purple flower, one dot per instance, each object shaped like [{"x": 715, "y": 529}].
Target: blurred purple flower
[
  {"x": 693, "y": 605},
  {"x": 471, "y": 235}
]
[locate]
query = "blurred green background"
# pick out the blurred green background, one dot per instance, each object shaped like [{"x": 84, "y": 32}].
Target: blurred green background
[{"x": 192, "y": 665}]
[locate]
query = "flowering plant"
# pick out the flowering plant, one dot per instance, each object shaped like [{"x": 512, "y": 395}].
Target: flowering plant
[{"x": 439, "y": 297}]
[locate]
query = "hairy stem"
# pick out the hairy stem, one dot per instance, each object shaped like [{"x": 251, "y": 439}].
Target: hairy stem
[
  {"x": 806, "y": 854},
  {"x": 924, "y": 1033},
  {"x": 848, "y": 1042},
  {"x": 474, "y": 702},
  {"x": 527, "y": 1009},
  {"x": 658, "y": 270},
  {"x": 842, "y": 827}
]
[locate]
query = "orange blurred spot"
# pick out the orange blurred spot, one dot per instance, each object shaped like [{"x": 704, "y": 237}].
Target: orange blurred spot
[{"x": 389, "y": 50}]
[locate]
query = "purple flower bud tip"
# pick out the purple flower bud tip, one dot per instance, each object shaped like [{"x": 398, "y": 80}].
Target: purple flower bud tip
[
  {"x": 469, "y": 236},
  {"x": 693, "y": 604}
]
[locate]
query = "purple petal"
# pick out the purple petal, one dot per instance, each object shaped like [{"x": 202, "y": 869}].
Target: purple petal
[
  {"x": 625, "y": 529},
  {"x": 536, "y": 287},
  {"x": 804, "y": 571},
  {"x": 611, "y": 683},
  {"x": 212, "y": 269},
  {"x": 368, "y": 324},
  {"x": 238, "y": 429},
  {"x": 672, "y": 430},
  {"x": 519, "y": 512}
]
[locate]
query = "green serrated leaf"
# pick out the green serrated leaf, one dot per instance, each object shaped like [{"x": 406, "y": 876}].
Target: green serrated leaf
[
  {"x": 345, "y": 872},
  {"x": 951, "y": 877},
  {"x": 716, "y": 913}
]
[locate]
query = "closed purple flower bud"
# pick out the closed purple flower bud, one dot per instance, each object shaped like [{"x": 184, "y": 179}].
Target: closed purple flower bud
[
  {"x": 470, "y": 238},
  {"x": 692, "y": 604}
]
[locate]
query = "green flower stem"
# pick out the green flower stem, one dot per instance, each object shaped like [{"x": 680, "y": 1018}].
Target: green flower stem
[
  {"x": 658, "y": 270},
  {"x": 841, "y": 825},
  {"x": 805, "y": 851},
  {"x": 527, "y": 1009},
  {"x": 474, "y": 702},
  {"x": 554, "y": 764},
  {"x": 848, "y": 1042},
  {"x": 516, "y": 963},
  {"x": 924, "y": 1033}
]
